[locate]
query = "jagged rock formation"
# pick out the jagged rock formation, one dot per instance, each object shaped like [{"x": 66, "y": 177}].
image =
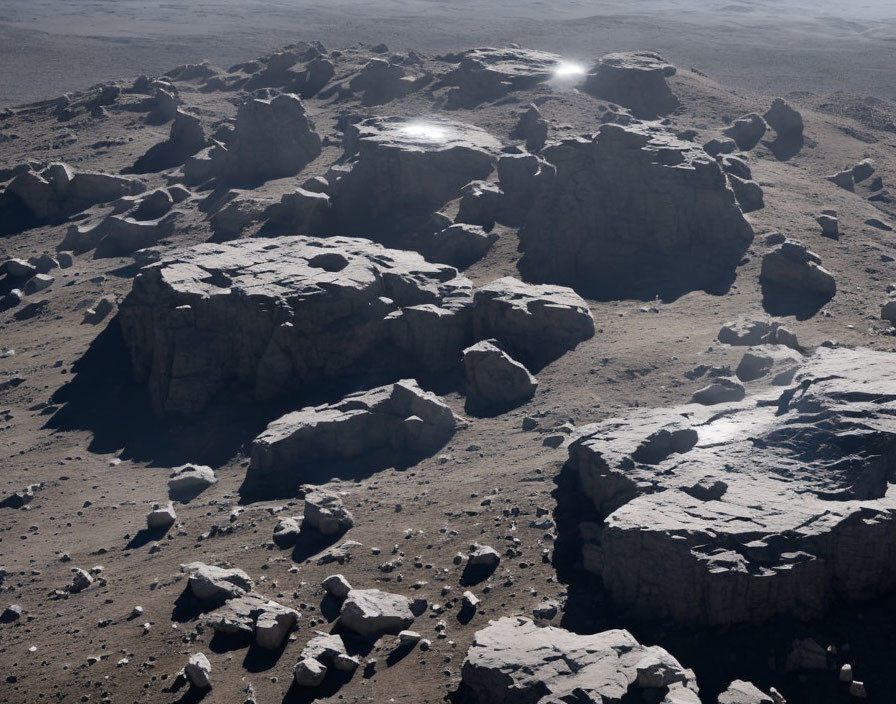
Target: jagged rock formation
[
  {"x": 488, "y": 74},
  {"x": 532, "y": 128},
  {"x": 635, "y": 80},
  {"x": 763, "y": 510},
  {"x": 269, "y": 316},
  {"x": 793, "y": 280},
  {"x": 372, "y": 612},
  {"x": 535, "y": 324},
  {"x": 747, "y": 131},
  {"x": 249, "y": 614},
  {"x": 398, "y": 421},
  {"x": 586, "y": 226},
  {"x": 405, "y": 169},
  {"x": 494, "y": 380},
  {"x": 185, "y": 139},
  {"x": 380, "y": 81},
  {"x": 513, "y": 661}
]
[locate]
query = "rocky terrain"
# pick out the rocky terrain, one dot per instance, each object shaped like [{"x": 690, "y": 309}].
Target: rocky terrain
[{"x": 386, "y": 376}]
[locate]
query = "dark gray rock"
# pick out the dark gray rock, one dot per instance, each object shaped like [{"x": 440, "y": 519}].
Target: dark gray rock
[{"x": 635, "y": 80}]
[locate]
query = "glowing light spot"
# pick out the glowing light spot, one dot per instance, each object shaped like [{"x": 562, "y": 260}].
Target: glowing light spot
[
  {"x": 425, "y": 132},
  {"x": 568, "y": 70}
]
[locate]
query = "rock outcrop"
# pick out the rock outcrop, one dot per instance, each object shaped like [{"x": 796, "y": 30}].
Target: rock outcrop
[
  {"x": 395, "y": 423},
  {"x": 767, "y": 509},
  {"x": 535, "y": 324},
  {"x": 405, "y": 169},
  {"x": 271, "y": 316},
  {"x": 586, "y": 226},
  {"x": 185, "y": 139},
  {"x": 487, "y": 74},
  {"x": 635, "y": 80},
  {"x": 793, "y": 280},
  {"x": 513, "y": 661}
]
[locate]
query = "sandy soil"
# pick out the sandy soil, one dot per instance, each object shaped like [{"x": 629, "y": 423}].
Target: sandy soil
[{"x": 48, "y": 47}]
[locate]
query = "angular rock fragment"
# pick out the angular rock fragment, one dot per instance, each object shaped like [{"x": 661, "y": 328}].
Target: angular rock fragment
[
  {"x": 161, "y": 517},
  {"x": 749, "y": 333},
  {"x": 99, "y": 311},
  {"x": 336, "y": 586},
  {"x": 372, "y": 613},
  {"x": 776, "y": 362},
  {"x": 398, "y": 422},
  {"x": 747, "y": 131},
  {"x": 741, "y": 692},
  {"x": 210, "y": 583},
  {"x": 532, "y": 128},
  {"x": 246, "y": 614},
  {"x": 635, "y": 80},
  {"x": 185, "y": 139},
  {"x": 748, "y": 193},
  {"x": 830, "y": 225},
  {"x": 585, "y": 225},
  {"x": 198, "y": 670},
  {"x": 325, "y": 512},
  {"x": 380, "y": 81},
  {"x": 21, "y": 497},
  {"x": 794, "y": 281},
  {"x": 309, "y": 672},
  {"x": 535, "y": 324},
  {"x": 460, "y": 245},
  {"x": 494, "y": 381},
  {"x": 784, "y": 119},
  {"x": 271, "y": 316},
  {"x": 768, "y": 509},
  {"x": 189, "y": 480},
  {"x": 844, "y": 179},
  {"x": 513, "y": 660},
  {"x": 287, "y": 531},
  {"x": 721, "y": 390}
]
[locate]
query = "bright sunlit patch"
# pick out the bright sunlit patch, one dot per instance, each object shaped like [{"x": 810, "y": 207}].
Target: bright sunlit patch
[
  {"x": 425, "y": 132},
  {"x": 568, "y": 70}
]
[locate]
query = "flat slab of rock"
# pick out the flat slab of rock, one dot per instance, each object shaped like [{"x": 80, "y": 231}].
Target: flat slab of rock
[
  {"x": 210, "y": 583},
  {"x": 266, "y": 317},
  {"x": 396, "y": 421},
  {"x": 584, "y": 224},
  {"x": 372, "y": 613},
  {"x": 513, "y": 660},
  {"x": 635, "y": 80},
  {"x": 487, "y": 74},
  {"x": 535, "y": 324},
  {"x": 773, "y": 508}
]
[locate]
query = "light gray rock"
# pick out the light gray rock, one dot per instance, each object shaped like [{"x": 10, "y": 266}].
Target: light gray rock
[
  {"x": 791, "y": 269},
  {"x": 210, "y": 583},
  {"x": 19, "y": 268},
  {"x": 372, "y": 613},
  {"x": 81, "y": 580},
  {"x": 776, "y": 363},
  {"x": 324, "y": 647},
  {"x": 189, "y": 480},
  {"x": 584, "y": 224},
  {"x": 535, "y": 324},
  {"x": 161, "y": 516},
  {"x": 249, "y": 614},
  {"x": 830, "y": 226},
  {"x": 844, "y": 179},
  {"x": 495, "y": 382},
  {"x": 38, "y": 283},
  {"x": 396, "y": 422},
  {"x": 184, "y": 140},
  {"x": 741, "y": 692},
  {"x": 268, "y": 317},
  {"x": 513, "y": 661},
  {"x": 488, "y": 74},
  {"x": 309, "y": 672},
  {"x": 287, "y": 531},
  {"x": 483, "y": 556},
  {"x": 635, "y": 80},
  {"x": 99, "y": 311},
  {"x": 772, "y": 508},
  {"x": 302, "y": 212},
  {"x": 747, "y": 332},
  {"x": 337, "y": 586},
  {"x": 198, "y": 670},
  {"x": 863, "y": 170},
  {"x": 119, "y": 235},
  {"x": 380, "y": 81},
  {"x": 325, "y": 512},
  {"x": 720, "y": 390}
]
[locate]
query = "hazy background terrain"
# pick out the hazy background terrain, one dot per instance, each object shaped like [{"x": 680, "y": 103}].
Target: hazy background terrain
[{"x": 48, "y": 47}]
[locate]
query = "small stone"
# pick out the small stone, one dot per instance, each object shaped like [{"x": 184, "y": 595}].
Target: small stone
[
  {"x": 161, "y": 517},
  {"x": 198, "y": 670}
]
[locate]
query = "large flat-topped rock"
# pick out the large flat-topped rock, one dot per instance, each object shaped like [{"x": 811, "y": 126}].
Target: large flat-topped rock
[
  {"x": 405, "y": 167},
  {"x": 630, "y": 212},
  {"x": 750, "y": 510},
  {"x": 636, "y": 80},
  {"x": 513, "y": 661},
  {"x": 267, "y": 317},
  {"x": 488, "y": 73}
]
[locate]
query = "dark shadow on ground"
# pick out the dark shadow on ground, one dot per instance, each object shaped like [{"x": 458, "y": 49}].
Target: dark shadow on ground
[
  {"x": 476, "y": 574},
  {"x": 187, "y": 607},
  {"x": 260, "y": 659},
  {"x": 310, "y": 542},
  {"x": 147, "y": 535},
  {"x": 785, "y": 303},
  {"x": 785, "y": 148},
  {"x": 227, "y": 642},
  {"x": 399, "y": 654},
  {"x": 333, "y": 682}
]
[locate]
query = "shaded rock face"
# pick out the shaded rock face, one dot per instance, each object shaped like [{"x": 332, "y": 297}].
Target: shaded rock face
[
  {"x": 587, "y": 226},
  {"x": 381, "y": 81},
  {"x": 267, "y": 317},
  {"x": 488, "y": 74},
  {"x": 793, "y": 280},
  {"x": 635, "y": 80},
  {"x": 746, "y": 131},
  {"x": 372, "y": 613},
  {"x": 391, "y": 423},
  {"x": 535, "y": 324},
  {"x": 494, "y": 380},
  {"x": 513, "y": 661},
  {"x": 186, "y": 138},
  {"x": 273, "y": 139},
  {"x": 405, "y": 169},
  {"x": 766, "y": 509}
]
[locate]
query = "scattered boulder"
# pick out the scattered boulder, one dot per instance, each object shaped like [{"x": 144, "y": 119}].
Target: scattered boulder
[
  {"x": 81, "y": 580},
  {"x": 249, "y": 614},
  {"x": 741, "y": 692},
  {"x": 863, "y": 170},
  {"x": 161, "y": 517},
  {"x": 777, "y": 362},
  {"x": 532, "y": 128},
  {"x": 714, "y": 147},
  {"x": 747, "y": 131},
  {"x": 287, "y": 531},
  {"x": 301, "y": 211},
  {"x": 635, "y": 80},
  {"x": 97, "y": 313},
  {"x": 372, "y": 613},
  {"x": 185, "y": 139},
  {"x": 325, "y": 512},
  {"x": 21, "y": 497},
  {"x": 721, "y": 390},
  {"x": 495, "y": 381},
  {"x": 830, "y": 225},
  {"x": 806, "y": 475},
  {"x": 793, "y": 280},
  {"x": 210, "y": 583},
  {"x": 843, "y": 179},
  {"x": 691, "y": 238},
  {"x": 336, "y": 586},
  {"x": 190, "y": 480},
  {"x": 487, "y": 74},
  {"x": 260, "y": 316},
  {"x": 535, "y": 324},
  {"x": 119, "y": 235},
  {"x": 309, "y": 672},
  {"x": 11, "y": 613},
  {"x": 395, "y": 422},
  {"x": 513, "y": 661},
  {"x": 198, "y": 670},
  {"x": 749, "y": 333},
  {"x": 460, "y": 245},
  {"x": 483, "y": 556},
  {"x": 380, "y": 81},
  {"x": 748, "y": 193},
  {"x": 784, "y": 119}
]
